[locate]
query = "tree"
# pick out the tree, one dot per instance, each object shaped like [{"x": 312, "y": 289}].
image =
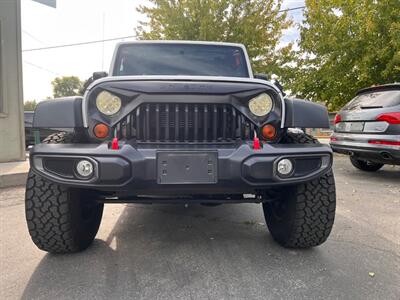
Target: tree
[
  {"x": 30, "y": 105},
  {"x": 66, "y": 86},
  {"x": 257, "y": 24},
  {"x": 345, "y": 45}
]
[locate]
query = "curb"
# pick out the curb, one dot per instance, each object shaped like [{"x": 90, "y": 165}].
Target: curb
[
  {"x": 13, "y": 173},
  {"x": 10, "y": 180}
]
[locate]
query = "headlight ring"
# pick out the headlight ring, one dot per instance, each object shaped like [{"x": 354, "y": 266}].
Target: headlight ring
[
  {"x": 261, "y": 105},
  {"x": 107, "y": 103}
]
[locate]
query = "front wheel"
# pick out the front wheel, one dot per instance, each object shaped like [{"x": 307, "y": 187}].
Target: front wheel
[
  {"x": 302, "y": 216},
  {"x": 365, "y": 165},
  {"x": 60, "y": 219}
]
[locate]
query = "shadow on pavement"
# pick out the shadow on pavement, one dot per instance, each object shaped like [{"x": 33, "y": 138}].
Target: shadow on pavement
[
  {"x": 169, "y": 252},
  {"x": 389, "y": 174}
]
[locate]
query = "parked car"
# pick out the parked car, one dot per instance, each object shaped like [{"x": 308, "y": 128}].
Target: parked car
[
  {"x": 368, "y": 128},
  {"x": 179, "y": 122}
]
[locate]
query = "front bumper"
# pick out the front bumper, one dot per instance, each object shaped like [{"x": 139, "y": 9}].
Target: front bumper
[
  {"x": 136, "y": 170},
  {"x": 357, "y": 145}
]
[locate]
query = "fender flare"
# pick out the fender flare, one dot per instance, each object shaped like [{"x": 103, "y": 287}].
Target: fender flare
[
  {"x": 305, "y": 114},
  {"x": 59, "y": 113}
]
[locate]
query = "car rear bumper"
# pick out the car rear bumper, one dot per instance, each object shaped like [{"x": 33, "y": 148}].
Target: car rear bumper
[
  {"x": 138, "y": 170},
  {"x": 357, "y": 145}
]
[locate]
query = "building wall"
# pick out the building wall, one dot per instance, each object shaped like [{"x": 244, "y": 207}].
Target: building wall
[{"x": 12, "y": 145}]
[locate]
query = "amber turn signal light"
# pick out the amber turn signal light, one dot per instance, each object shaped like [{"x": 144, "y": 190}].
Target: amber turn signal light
[
  {"x": 101, "y": 131},
  {"x": 268, "y": 132}
]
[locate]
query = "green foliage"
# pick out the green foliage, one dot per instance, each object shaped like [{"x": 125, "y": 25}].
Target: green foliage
[
  {"x": 257, "y": 24},
  {"x": 345, "y": 45},
  {"x": 66, "y": 86},
  {"x": 30, "y": 105}
]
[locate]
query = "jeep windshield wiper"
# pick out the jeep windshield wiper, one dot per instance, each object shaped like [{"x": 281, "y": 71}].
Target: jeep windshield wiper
[{"x": 371, "y": 107}]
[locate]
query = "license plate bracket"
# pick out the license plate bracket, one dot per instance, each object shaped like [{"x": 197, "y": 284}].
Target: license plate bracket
[
  {"x": 356, "y": 126},
  {"x": 351, "y": 126},
  {"x": 187, "y": 167}
]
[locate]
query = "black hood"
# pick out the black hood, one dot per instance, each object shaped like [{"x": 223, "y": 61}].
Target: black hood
[{"x": 130, "y": 87}]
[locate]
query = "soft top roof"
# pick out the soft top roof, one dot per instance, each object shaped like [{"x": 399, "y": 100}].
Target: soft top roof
[{"x": 383, "y": 87}]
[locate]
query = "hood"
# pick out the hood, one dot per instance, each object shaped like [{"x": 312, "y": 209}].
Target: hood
[{"x": 180, "y": 84}]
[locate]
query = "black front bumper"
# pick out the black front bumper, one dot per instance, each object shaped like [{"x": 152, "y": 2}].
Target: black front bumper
[{"x": 138, "y": 170}]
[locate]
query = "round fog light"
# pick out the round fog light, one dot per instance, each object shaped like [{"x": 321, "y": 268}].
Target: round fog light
[
  {"x": 84, "y": 168},
  {"x": 285, "y": 167}
]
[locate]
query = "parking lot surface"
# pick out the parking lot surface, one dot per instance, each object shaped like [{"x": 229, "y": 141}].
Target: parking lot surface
[{"x": 224, "y": 252}]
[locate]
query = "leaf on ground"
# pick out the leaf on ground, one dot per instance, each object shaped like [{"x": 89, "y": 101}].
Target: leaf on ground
[{"x": 371, "y": 274}]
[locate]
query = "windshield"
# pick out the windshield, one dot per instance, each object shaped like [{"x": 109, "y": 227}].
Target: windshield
[
  {"x": 180, "y": 59},
  {"x": 374, "y": 100}
]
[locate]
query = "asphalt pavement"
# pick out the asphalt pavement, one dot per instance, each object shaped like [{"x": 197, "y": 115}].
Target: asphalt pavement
[{"x": 224, "y": 252}]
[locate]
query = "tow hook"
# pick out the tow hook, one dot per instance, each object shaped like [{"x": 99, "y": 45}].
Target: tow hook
[
  {"x": 114, "y": 144},
  {"x": 256, "y": 142}
]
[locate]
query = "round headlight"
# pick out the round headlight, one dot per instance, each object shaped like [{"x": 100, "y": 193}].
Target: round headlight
[
  {"x": 108, "y": 103},
  {"x": 260, "y": 105}
]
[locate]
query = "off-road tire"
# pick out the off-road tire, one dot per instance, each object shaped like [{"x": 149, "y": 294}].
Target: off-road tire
[
  {"x": 60, "y": 219},
  {"x": 298, "y": 138},
  {"x": 302, "y": 216},
  {"x": 365, "y": 165},
  {"x": 59, "y": 138}
]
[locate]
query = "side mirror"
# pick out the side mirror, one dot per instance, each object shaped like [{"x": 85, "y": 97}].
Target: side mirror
[
  {"x": 98, "y": 75},
  {"x": 279, "y": 86},
  {"x": 268, "y": 78},
  {"x": 95, "y": 76},
  {"x": 262, "y": 77}
]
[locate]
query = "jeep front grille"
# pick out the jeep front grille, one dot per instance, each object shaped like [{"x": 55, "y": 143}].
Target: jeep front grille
[{"x": 180, "y": 123}]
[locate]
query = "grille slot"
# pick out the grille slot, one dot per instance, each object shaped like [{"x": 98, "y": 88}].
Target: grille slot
[{"x": 180, "y": 123}]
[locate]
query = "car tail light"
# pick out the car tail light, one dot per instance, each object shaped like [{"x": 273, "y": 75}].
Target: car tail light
[
  {"x": 383, "y": 142},
  {"x": 391, "y": 117},
  {"x": 101, "y": 131},
  {"x": 337, "y": 119},
  {"x": 268, "y": 132}
]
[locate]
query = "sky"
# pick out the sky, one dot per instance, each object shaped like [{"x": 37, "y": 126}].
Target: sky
[{"x": 75, "y": 21}]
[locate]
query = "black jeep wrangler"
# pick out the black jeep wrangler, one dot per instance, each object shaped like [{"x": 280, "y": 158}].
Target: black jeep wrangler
[{"x": 179, "y": 122}]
